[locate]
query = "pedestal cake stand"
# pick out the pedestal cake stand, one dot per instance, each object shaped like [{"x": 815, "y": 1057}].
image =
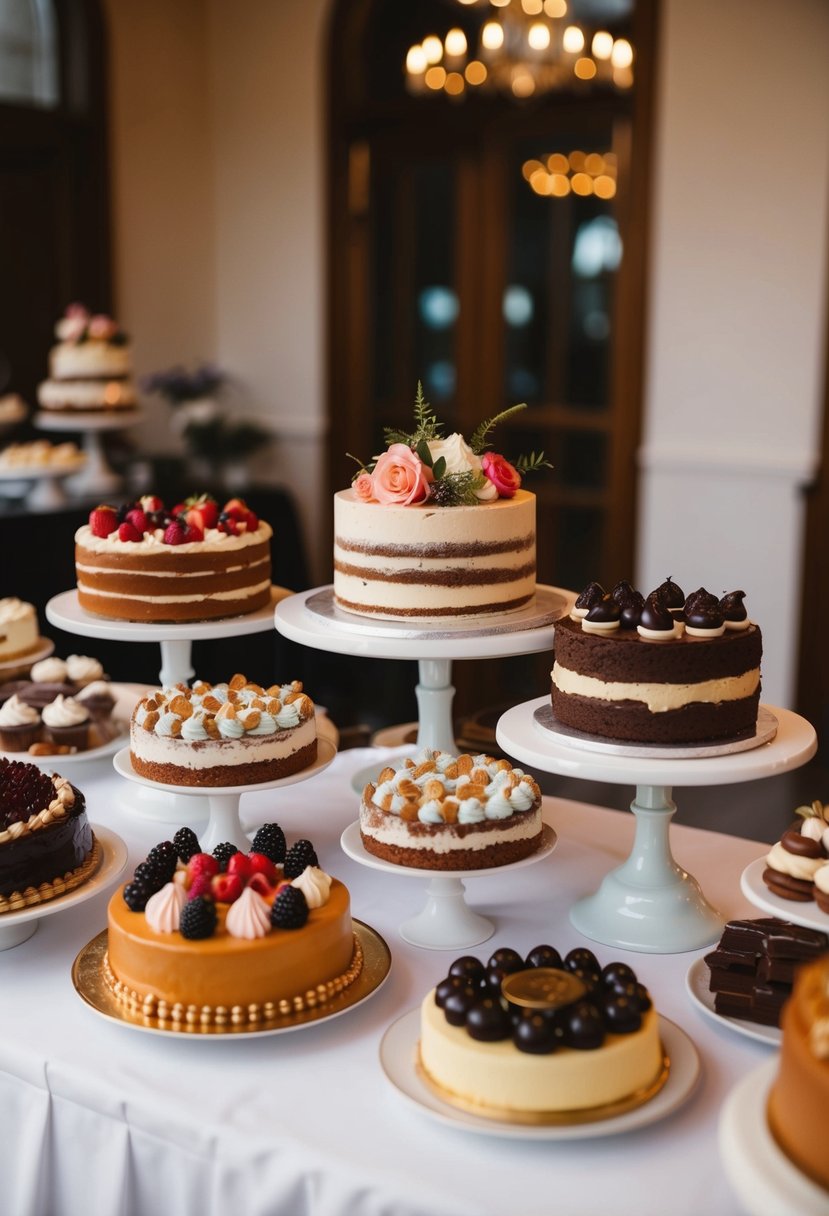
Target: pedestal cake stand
[
  {"x": 97, "y": 477},
  {"x": 312, "y": 618},
  {"x": 650, "y": 903}
]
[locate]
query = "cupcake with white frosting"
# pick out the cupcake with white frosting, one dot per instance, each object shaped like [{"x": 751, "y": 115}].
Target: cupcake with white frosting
[{"x": 67, "y": 723}]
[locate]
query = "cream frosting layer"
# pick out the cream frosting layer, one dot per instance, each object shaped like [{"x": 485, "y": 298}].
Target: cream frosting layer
[
  {"x": 209, "y": 753},
  {"x": 659, "y": 698},
  {"x": 153, "y": 542},
  {"x": 89, "y": 359},
  {"x": 242, "y": 593},
  {"x": 18, "y": 627},
  {"x": 87, "y": 394},
  {"x": 499, "y": 1075},
  {"x": 445, "y": 838},
  {"x": 794, "y": 864}
]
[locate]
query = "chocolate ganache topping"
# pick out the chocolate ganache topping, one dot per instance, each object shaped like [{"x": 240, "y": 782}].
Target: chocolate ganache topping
[
  {"x": 655, "y": 615},
  {"x": 604, "y": 616},
  {"x": 704, "y": 617},
  {"x": 671, "y": 595},
  {"x": 623, "y": 593},
  {"x": 591, "y": 595},
  {"x": 699, "y": 599},
  {"x": 733, "y": 608}
]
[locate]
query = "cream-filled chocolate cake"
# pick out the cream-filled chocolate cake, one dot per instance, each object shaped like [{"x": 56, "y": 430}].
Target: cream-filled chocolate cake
[
  {"x": 666, "y": 669},
  {"x": 236, "y": 733},
  {"x": 541, "y": 1038}
]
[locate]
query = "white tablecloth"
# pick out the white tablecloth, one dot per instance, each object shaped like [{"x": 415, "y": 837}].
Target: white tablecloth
[{"x": 104, "y": 1120}]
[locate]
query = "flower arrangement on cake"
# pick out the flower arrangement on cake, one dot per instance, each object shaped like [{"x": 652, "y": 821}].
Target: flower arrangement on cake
[
  {"x": 79, "y": 325},
  {"x": 446, "y": 471}
]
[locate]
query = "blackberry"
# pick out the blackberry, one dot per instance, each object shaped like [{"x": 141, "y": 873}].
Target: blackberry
[
  {"x": 136, "y": 894},
  {"x": 198, "y": 918},
  {"x": 299, "y": 855},
  {"x": 270, "y": 840},
  {"x": 151, "y": 875},
  {"x": 165, "y": 858},
  {"x": 223, "y": 853},
  {"x": 187, "y": 843},
  {"x": 289, "y": 910}
]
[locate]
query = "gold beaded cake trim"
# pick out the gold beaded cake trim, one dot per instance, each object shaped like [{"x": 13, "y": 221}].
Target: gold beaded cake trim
[
  {"x": 254, "y": 1015},
  {"x": 58, "y": 886}
]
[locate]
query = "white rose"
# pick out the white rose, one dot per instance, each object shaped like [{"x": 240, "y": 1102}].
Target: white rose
[
  {"x": 70, "y": 329},
  {"x": 457, "y": 453}
]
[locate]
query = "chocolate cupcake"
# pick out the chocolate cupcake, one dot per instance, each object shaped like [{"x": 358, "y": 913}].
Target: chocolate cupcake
[
  {"x": 49, "y": 671},
  {"x": 99, "y": 703},
  {"x": 38, "y": 695},
  {"x": 19, "y": 725},
  {"x": 66, "y": 723}
]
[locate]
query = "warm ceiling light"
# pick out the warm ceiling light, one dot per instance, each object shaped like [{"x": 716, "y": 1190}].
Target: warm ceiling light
[
  {"x": 541, "y": 182},
  {"x": 492, "y": 36},
  {"x": 455, "y": 42},
  {"x": 572, "y": 40},
  {"x": 558, "y": 163},
  {"x": 622, "y": 78},
  {"x": 432, "y": 48},
  {"x": 604, "y": 187},
  {"x": 435, "y": 78},
  {"x": 476, "y": 72},
  {"x": 532, "y": 7},
  {"x": 468, "y": 1},
  {"x": 602, "y": 44},
  {"x": 584, "y": 68},
  {"x": 594, "y": 164},
  {"x": 454, "y": 85},
  {"x": 416, "y": 61},
  {"x": 538, "y": 36},
  {"x": 559, "y": 185},
  {"x": 622, "y": 54},
  {"x": 576, "y": 161},
  {"x": 581, "y": 184},
  {"x": 499, "y": 3},
  {"x": 523, "y": 84},
  {"x": 555, "y": 8},
  {"x": 530, "y": 167}
]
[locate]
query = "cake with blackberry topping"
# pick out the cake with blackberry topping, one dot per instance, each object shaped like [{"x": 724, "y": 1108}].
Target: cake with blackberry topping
[
  {"x": 662, "y": 668},
  {"x": 46, "y": 843},
  {"x": 90, "y": 367},
  {"x": 436, "y": 528},
  {"x": 235, "y": 733},
  {"x": 443, "y": 812},
  {"x": 230, "y": 938},
  {"x": 540, "y": 1038},
  {"x": 194, "y": 562}
]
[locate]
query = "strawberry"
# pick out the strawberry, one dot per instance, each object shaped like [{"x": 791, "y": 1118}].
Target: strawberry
[
  {"x": 175, "y": 534},
  {"x": 228, "y": 524},
  {"x": 150, "y": 503},
  {"x": 260, "y": 864},
  {"x": 237, "y": 508},
  {"x": 251, "y": 521},
  {"x": 139, "y": 520},
  {"x": 202, "y": 863},
  {"x": 128, "y": 532},
  {"x": 259, "y": 883},
  {"x": 207, "y": 508},
  {"x": 239, "y": 864},
  {"x": 192, "y": 533},
  {"x": 226, "y": 887},
  {"x": 202, "y": 884},
  {"x": 103, "y": 520},
  {"x": 179, "y": 508}
]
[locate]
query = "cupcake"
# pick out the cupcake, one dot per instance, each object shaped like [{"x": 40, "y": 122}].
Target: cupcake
[
  {"x": 19, "y": 725},
  {"x": 67, "y": 723},
  {"x": 99, "y": 703},
  {"x": 82, "y": 670},
  {"x": 10, "y": 688},
  {"x": 49, "y": 671},
  {"x": 44, "y": 693}
]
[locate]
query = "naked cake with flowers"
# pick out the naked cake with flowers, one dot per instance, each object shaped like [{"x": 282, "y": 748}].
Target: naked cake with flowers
[
  {"x": 230, "y": 938},
  {"x": 436, "y": 527},
  {"x": 235, "y": 733},
  {"x": 90, "y": 367},
  {"x": 194, "y": 561}
]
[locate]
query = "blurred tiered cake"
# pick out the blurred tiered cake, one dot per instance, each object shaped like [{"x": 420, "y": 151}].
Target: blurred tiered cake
[{"x": 90, "y": 367}]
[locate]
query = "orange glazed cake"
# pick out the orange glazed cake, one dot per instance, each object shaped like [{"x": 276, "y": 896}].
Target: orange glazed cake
[
  {"x": 237, "y": 733},
  {"x": 195, "y": 562},
  {"x": 230, "y": 937}
]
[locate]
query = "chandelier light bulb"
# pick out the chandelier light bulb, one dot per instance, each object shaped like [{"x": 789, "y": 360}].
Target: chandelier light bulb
[
  {"x": 475, "y": 72},
  {"x": 572, "y": 40},
  {"x": 432, "y": 48},
  {"x": 499, "y": 3},
  {"x": 532, "y": 7},
  {"x": 538, "y": 36},
  {"x": 602, "y": 45},
  {"x": 416, "y": 61},
  {"x": 455, "y": 42},
  {"x": 555, "y": 8},
  {"x": 622, "y": 54},
  {"x": 492, "y": 36}
]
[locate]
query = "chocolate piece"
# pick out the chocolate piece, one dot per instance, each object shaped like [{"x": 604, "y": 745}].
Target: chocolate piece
[
  {"x": 800, "y": 846},
  {"x": 730, "y": 1006},
  {"x": 469, "y": 968},
  {"x": 621, "y": 1016},
  {"x": 671, "y": 595},
  {"x": 733, "y": 608},
  {"x": 535, "y": 1033},
  {"x": 795, "y": 941},
  {"x": 749, "y": 934},
  {"x": 507, "y": 959},
  {"x": 488, "y": 1021},
  {"x": 632, "y": 612},
  {"x": 776, "y": 970},
  {"x": 787, "y": 887},
  {"x": 40, "y": 695},
  {"x": 655, "y": 615},
  {"x": 623, "y": 593},
  {"x": 704, "y": 616},
  {"x": 544, "y": 956},
  {"x": 591, "y": 595},
  {"x": 583, "y": 1026},
  {"x": 700, "y": 599},
  {"x": 605, "y": 610},
  {"x": 458, "y": 1003}
]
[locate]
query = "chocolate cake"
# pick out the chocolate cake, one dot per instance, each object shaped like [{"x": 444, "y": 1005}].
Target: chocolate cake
[{"x": 753, "y": 967}]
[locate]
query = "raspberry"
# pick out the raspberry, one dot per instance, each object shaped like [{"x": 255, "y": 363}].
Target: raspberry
[
  {"x": 103, "y": 520},
  {"x": 136, "y": 894},
  {"x": 270, "y": 840},
  {"x": 299, "y": 855},
  {"x": 202, "y": 884},
  {"x": 259, "y": 863},
  {"x": 202, "y": 863},
  {"x": 187, "y": 843},
  {"x": 139, "y": 520},
  {"x": 175, "y": 534},
  {"x": 290, "y": 909},
  {"x": 251, "y": 521},
  {"x": 193, "y": 533},
  {"x": 164, "y": 857},
  {"x": 223, "y": 853},
  {"x": 198, "y": 918},
  {"x": 227, "y": 887},
  {"x": 128, "y": 531}
]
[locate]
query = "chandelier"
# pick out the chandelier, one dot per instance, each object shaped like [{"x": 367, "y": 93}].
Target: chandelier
[{"x": 524, "y": 48}]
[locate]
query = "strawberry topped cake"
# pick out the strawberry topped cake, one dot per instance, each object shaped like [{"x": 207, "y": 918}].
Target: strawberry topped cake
[
  {"x": 197, "y": 561},
  {"x": 206, "y": 940}
]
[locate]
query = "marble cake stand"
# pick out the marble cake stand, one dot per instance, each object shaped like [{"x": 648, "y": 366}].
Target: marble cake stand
[
  {"x": 649, "y": 903},
  {"x": 312, "y": 618},
  {"x": 97, "y": 477}
]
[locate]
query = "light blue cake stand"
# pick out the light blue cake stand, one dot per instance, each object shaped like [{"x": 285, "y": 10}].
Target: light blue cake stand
[{"x": 650, "y": 903}]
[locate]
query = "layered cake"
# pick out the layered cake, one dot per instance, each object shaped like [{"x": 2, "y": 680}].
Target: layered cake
[
  {"x": 542, "y": 1038},
  {"x": 753, "y": 967},
  {"x": 90, "y": 368},
  {"x": 230, "y": 938},
  {"x": 435, "y": 528},
  {"x": 236, "y": 733},
  {"x": 443, "y": 812},
  {"x": 196, "y": 562},
  {"x": 799, "y": 1097},
  {"x": 19, "y": 633},
  {"x": 663, "y": 669},
  {"x": 46, "y": 843},
  {"x": 797, "y": 865}
]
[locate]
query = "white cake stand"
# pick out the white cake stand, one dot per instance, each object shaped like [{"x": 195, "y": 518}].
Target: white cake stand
[
  {"x": 313, "y": 619},
  {"x": 42, "y": 485},
  {"x": 650, "y": 903},
  {"x": 97, "y": 477},
  {"x": 223, "y": 821},
  {"x": 446, "y": 921}
]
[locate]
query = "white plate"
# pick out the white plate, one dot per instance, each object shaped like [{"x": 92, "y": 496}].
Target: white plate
[
  {"x": 352, "y": 845},
  {"x": 126, "y": 697},
  {"x": 765, "y": 1180},
  {"x": 696, "y": 984},
  {"x": 752, "y": 886},
  {"x": 398, "y": 1050}
]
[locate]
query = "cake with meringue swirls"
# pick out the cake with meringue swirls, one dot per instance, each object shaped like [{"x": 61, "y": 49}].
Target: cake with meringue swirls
[
  {"x": 233, "y": 733},
  {"x": 437, "y": 811},
  {"x": 229, "y": 939}
]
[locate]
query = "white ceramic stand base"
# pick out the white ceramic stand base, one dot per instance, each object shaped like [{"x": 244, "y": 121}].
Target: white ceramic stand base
[
  {"x": 446, "y": 922},
  {"x": 313, "y": 619},
  {"x": 223, "y": 821},
  {"x": 97, "y": 477},
  {"x": 650, "y": 903}
]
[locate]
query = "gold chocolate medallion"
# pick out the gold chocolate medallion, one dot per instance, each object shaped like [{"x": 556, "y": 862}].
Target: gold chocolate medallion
[{"x": 542, "y": 988}]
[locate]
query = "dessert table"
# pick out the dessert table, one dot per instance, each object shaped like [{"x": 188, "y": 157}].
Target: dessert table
[{"x": 106, "y": 1120}]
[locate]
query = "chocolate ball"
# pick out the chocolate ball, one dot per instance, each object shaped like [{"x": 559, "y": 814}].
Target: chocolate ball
[
  {"x": 488, "y": 1021},
  {"x": 618, "y": 974},
  {"x": 544, "y": 956},
  {"x": 592, "y": 593},
  {"x": 621, "y": 1016},
  {"x": 458, "y": 1003},
  {"x": 508, "y": 960},
  {"x": 583, "y": 1026},
  {"x": 534, "y": 1034},
  {"x": 470, "y": 968}
]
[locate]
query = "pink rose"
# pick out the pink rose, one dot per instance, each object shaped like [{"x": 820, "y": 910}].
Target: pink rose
[
  {"x": 504, "y": 476},
  {"x": 400, "y": 477},
  {"x": 102, "y": 327},
  {"x": 363, "y": 488}
]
